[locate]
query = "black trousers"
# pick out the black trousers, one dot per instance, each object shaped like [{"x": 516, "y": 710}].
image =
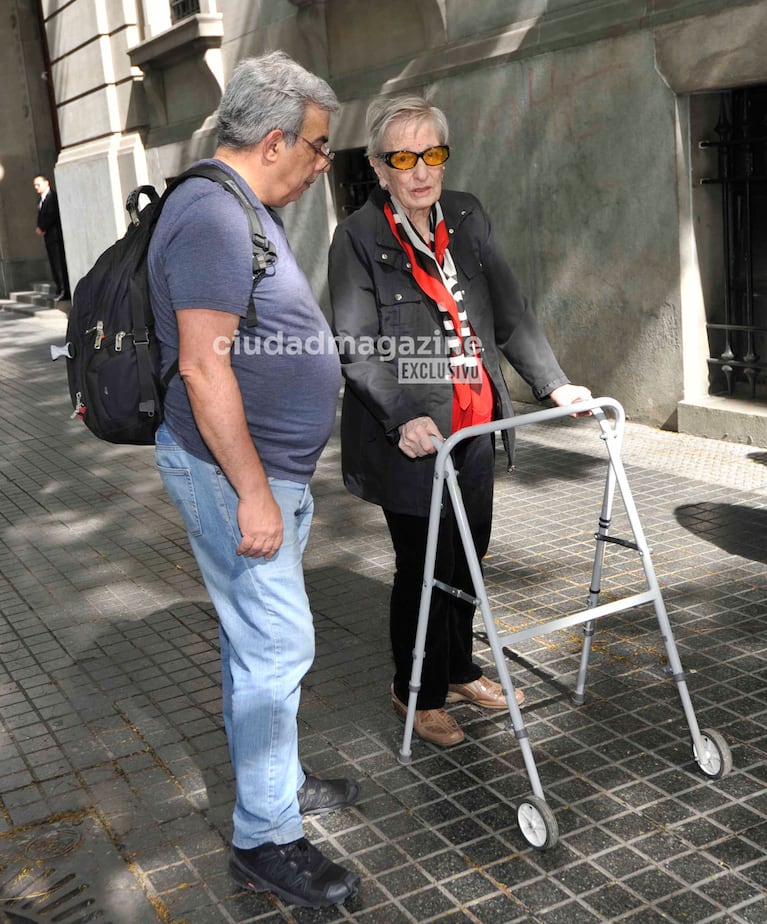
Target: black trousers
[
  {"x": 57, "y": 260},
  {"x": 449, "y": 636}
]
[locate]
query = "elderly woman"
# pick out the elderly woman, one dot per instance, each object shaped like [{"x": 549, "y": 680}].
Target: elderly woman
[{"x": 417, "y": 274}]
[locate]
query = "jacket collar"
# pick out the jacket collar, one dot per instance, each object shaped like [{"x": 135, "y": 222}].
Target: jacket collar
[{"x": 454, "y": 214}]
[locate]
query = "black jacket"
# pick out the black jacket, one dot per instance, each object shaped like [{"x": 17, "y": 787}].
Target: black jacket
[
  {"x": 383, "y": 322},
  {"x": 48, "y": 218}
]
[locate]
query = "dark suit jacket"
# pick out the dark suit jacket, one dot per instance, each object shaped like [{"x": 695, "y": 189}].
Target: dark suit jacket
[
  {"x": 379, "y": 312},
  {"x": 48, "y": 218}
]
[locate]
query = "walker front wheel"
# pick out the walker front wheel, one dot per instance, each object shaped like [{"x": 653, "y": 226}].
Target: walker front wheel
[
  {"x": 537, "y": 823},
  {"x": 716, "y": 759}
]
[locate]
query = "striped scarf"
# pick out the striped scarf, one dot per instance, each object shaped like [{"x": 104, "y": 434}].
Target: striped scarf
[{"x": 434, "y": 271}]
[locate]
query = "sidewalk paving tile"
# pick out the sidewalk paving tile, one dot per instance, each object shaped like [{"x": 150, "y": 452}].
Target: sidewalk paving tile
[{"x": 115, "y": 784}]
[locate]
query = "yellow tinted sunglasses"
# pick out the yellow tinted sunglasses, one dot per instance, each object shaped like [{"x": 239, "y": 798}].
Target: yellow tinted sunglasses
[{"x": 406, "y": 160}]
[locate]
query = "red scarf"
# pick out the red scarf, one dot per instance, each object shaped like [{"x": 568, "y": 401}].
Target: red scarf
[{"x": 472, "y": 400}]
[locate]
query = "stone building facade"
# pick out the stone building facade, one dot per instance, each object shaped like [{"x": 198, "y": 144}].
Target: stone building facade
[{"x": 577, "y": 122}]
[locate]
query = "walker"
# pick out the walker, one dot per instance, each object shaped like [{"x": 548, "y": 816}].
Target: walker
[{"x": 535, "y": 818}]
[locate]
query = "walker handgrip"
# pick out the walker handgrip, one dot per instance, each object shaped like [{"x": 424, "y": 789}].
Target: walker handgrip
[{"x": 579, "y": 408}]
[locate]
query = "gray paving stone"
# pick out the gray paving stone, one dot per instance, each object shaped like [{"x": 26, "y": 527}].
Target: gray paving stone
[{"x": 110, "y": 702}]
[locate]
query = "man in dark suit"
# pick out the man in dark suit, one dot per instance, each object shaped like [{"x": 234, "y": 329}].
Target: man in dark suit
[{"x": 49, "y": 228}]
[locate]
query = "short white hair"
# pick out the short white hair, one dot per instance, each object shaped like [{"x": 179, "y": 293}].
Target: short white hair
[{"x": 384, "y": 111}]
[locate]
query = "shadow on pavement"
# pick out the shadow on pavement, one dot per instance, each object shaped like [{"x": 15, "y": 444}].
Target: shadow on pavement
[{"x": 736, "y": 529}]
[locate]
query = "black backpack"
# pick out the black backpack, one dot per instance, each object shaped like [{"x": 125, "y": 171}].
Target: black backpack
[{"x": 114, "y": 374}]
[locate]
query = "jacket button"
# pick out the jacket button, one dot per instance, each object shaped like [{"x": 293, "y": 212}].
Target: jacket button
[
  {"x": 451, "y": 231},
  {"x": 384, "y": 256},
  {"x": 397, "y": 297}
]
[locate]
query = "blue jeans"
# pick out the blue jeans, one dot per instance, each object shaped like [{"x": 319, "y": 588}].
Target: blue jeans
[{"x": 266, "y": 633}]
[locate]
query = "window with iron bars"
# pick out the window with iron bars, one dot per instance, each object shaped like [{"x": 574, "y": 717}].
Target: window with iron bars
[
  {"x": 181, "y": 9},
  {"x": 353, "y": 179},
  {"x": 737, "y": 317}
]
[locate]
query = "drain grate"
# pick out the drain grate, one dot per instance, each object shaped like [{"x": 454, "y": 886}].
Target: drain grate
[
  {"x": 69, "y": 873},
  {"x": 32, "y": 890},
  {"x": 45, "y": 897}
]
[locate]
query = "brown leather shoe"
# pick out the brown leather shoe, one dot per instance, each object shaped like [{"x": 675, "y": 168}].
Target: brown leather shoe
[
  {"x": 433, "y": 725},
  {"x": 481, "y": 692}
]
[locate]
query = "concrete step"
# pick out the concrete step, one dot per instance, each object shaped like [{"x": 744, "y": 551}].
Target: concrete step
[
  {"x": 32, "y": 301},
  {"x": 736, "y": 420},
  {"x": 44, "y": 288},
  {"x": 39, "y": 295},
  {"x": 31, "y": 297},
  {"x": 27, "y": 302}
]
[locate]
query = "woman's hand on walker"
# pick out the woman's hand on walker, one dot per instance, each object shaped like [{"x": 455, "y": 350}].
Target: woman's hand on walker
[
  {"x": 415, "y": 437},
  {"x": 571, "y": 394}
]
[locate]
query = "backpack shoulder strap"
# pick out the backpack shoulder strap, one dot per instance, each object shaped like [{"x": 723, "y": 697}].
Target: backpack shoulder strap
[{"x": 264, "y": 254}]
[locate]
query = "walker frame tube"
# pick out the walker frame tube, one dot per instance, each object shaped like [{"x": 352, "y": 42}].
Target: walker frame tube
[{"x": 709, "y": 748}]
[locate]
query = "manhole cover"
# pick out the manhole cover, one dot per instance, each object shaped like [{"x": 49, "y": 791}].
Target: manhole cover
[{"x": 57, "y": 842}]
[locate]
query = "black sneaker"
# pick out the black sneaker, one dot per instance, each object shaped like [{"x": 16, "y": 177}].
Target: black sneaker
[
  {"x": 297, "y": 873},
  {"x": 318, "y": 797}
]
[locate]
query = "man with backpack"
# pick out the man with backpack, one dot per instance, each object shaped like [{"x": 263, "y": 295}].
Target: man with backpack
[{"x": 242, "y": 431}]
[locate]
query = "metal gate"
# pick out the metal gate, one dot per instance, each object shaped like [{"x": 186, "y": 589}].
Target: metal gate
[{"x": 737, "y": 326}]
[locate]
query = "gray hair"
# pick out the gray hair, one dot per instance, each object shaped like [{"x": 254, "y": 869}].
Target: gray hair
[
  {"x": 384, "y": 111},
  {"x": 269, "y": 92}
]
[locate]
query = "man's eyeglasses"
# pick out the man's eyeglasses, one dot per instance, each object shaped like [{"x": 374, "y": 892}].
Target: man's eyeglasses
[
  {"x": 406, "y": 160},
  {"x": 323, "y": 151}
]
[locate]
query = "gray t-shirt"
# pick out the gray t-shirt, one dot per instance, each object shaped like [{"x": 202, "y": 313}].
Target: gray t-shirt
[{"x": 287, "y": 367}]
